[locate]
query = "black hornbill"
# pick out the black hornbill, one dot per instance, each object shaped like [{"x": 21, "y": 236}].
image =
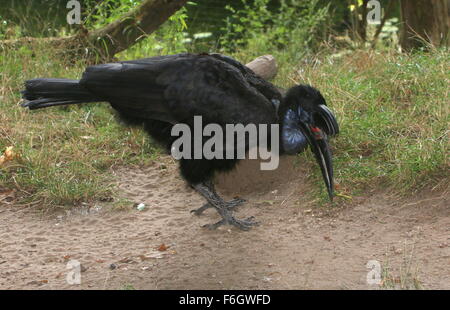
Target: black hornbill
[{"x": 159, "y": 92}]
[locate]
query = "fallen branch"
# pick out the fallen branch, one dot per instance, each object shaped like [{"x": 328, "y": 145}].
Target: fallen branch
[{"x": 265, "y": 66}]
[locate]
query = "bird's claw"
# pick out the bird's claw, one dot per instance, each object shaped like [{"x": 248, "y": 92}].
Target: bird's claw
[
  {"x": 235, "y": 202},
  {"x": 246, "y": 224}
]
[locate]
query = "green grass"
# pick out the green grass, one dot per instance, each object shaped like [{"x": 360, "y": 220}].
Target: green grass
[
  {"x": 393, "y": 110},
  {"x": 394, "y": 114},
  {"x": 65, "y": 154},
  {"x": 403, "y": 275},
  {"x": 128, "y": 287}
]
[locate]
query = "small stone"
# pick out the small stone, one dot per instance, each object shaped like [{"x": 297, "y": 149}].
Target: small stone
[
  {"x": 83, "y": 268},
  {"x": 140, "y": 207}
]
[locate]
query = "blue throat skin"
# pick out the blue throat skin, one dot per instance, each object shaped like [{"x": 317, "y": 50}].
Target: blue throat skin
[{"x": 293, "y": 140}]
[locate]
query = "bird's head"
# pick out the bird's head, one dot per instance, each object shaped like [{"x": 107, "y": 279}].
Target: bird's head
[{"x": 306, "y": 120}]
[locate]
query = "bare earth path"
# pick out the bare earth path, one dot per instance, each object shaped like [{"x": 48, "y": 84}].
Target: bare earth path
[{"x": 296, "y": 246}]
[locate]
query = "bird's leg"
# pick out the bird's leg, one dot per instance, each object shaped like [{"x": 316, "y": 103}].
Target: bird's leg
[
  {"x": 230, "y": 205},
  {"x": 206, "y": 189}
]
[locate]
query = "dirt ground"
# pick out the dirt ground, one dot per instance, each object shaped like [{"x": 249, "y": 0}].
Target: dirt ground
[{"x": 296, "y": 246}]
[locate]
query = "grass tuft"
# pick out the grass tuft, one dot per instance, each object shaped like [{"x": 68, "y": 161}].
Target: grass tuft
[
  {"x": 64, "y": 154},
  {"x": 394, "y": 114}
]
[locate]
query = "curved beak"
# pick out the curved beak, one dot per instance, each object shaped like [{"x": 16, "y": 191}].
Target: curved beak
[
  {"x": 331, "y": 126},
  {"x": 319, "y": 146}
]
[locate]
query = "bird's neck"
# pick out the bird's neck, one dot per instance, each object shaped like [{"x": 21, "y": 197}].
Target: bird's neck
[{"x": 292, "y": 139}]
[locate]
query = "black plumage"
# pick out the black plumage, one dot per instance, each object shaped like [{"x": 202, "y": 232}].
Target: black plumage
[{"x": 162, "y": 91}]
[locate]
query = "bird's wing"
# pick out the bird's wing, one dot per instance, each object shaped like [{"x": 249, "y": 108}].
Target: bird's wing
[
  {"x": 178, "y": 87},
  {"x": 131, "y": 86},
  {"x": 264, "y": 87}
]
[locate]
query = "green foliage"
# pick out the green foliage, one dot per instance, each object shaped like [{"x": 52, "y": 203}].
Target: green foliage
[
  {"x": 35, "y": 18},
  {"x": 172, "y": 35},
  {"x": 294, "y": 21},
  {"x": 107, "y": 11},
  {"x": 170, "y": 38}
]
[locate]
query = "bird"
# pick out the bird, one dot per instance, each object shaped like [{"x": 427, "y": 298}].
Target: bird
[{"x": 160, "y": 92}]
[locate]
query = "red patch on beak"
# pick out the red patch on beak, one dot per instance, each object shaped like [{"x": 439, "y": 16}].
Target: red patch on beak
[{"x": 317, "y": 133}]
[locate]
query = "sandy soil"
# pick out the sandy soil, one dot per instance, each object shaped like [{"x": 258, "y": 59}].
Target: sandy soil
[{"x": 296, "y": 245}]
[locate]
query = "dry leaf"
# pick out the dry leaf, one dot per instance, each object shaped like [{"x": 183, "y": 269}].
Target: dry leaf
[
  {"x": 162, "y": 248},
  {"x": 8, "y": 155}
]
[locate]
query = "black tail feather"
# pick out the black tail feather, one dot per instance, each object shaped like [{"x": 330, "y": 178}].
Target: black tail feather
[{"x": 43, "y": 93}]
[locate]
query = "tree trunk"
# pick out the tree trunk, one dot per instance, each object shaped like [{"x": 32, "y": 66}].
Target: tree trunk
[
  {"x": 113, "y": 38},
  {"x": 424, "y": 22},
  {"x": 359, "y": 21},
  {"x": 362, "y": 23}
]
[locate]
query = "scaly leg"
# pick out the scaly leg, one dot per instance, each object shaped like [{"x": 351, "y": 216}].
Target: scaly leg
[
  {"x": 206, "y": 189},
  {"x": 230, "y": 205}
]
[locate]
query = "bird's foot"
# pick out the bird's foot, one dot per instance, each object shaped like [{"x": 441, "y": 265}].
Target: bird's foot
[
  {"x": 228, "y": 218},
  {"x": 206, "y": 189},
  {"x": 229, "y": 205}
]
